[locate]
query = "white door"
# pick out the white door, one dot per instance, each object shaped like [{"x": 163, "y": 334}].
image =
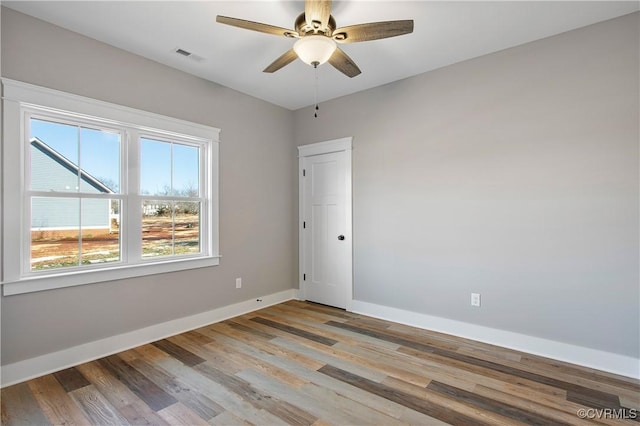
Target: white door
[{"x": 325, "y": 216}]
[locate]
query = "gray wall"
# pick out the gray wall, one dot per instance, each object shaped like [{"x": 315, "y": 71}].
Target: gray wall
[
  {"x": 257, "y": 192},
  {"x": 514, "y": 175}
]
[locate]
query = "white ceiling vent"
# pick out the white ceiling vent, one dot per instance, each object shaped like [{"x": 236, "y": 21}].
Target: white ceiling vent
[
  {"x": 183, "y": 52},
  {"x": 188, "y": 54}
]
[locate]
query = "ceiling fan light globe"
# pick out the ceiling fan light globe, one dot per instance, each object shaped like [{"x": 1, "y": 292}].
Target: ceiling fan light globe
[{"x": 314, "y": 49}]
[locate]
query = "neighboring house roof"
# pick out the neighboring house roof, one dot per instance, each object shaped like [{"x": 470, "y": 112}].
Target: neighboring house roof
[{"x": 69, "y": 165}]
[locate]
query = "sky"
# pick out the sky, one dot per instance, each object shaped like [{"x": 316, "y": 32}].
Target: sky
[{"x": 97, "y": 152}]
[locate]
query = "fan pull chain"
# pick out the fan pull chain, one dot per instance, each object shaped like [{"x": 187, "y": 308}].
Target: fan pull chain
[{"x": 315, "y": 66}]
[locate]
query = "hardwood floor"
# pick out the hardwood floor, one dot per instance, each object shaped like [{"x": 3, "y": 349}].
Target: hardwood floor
[{"x": 303, "y": 363}]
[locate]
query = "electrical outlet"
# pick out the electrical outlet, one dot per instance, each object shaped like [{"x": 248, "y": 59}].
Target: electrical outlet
[
  {"x": 475, "y": 299},
  {"x": 238, "y": 282}
]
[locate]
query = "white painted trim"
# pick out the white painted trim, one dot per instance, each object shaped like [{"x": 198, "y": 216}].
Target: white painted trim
[
  {"x": 335, "y": 145},
  {"x": 327, "y": 147},
  {"x": 67, "y": 228},
  {"x": 587, "y": 357},
  {"x": 301, "y": 268},
  {"x": 348, "y": 206},
  {"x": 26, "y": 93},
  {"x": 35, "y": 367},
  {"x": 103, "y": 273},
  {"x": 20, "y": 100}
]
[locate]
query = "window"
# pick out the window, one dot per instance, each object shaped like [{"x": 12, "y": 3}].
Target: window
[
  {"x": 73, "y": 186},
  {"x": 171, "y": 201},
  {"x": 102, "y": 192}
]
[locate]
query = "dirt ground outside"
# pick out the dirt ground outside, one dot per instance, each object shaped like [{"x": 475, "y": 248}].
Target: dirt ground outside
[{"x": 160, "y": 237}]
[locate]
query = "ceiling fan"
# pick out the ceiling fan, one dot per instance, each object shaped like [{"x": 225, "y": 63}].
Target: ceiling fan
[{"x": 317, "y": 36}]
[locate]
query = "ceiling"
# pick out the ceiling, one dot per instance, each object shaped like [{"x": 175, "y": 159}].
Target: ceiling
[{"x": 445, "y": 32}]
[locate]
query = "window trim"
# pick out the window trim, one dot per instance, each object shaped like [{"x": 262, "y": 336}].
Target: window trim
[{"x": 18, "y": 99}]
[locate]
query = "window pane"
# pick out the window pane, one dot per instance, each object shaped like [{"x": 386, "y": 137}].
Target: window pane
[
  {"x": 100, "y": 231},
  {"x": 186, "y": 170},
  {"x": 54, "y": 232},
  {"x": 157, "y": 228},
  {"x": 187, "y": 228},
  {"x": 54, "y": 156},
  {"x": 100, "y": 161},
  {"x": 155, "y": 167},
  {"x": 170, "y": 228}
]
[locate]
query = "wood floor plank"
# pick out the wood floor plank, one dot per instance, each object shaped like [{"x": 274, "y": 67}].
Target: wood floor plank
[
  {"x": 562, "y": 414},
  {"x": 301, "y": 370},
  {"x": 242, "y": 357},
  {"x": 19, "y": 407},
  {"x": 411, "y": 370},
  {"x": 120, "y": 396},
  {"x": 218, "y": 393},
  {"x": 278, "y": 407},
  {"x": 227, "y": 418},
  {"x": 178, "y": 352},
  {"x": 267, "y": 346},
  {"x": 593, "y": 398},
  {"x": 589, "y": 397},
  {"x": 250, "y": 330},
  {"x": 309, "y": 374},
  {"x": 71, "y": 379},
  {"x": 308, "y": 347},
  {"x": 201, "y": 405},
  {"x": 333, "y": 408},
  {"x": 561, "y": 372},
  {"x": 311, "y": 315},
  {"x": 208, "y": 353},
  {"x": 56, "y": 404},
  {"x": 507, "y": 410},
  {"x": 483, "y": 375},
  {"x": 149, "y": 353},
  {"x": 296, "y": 331},
  {"x": 345, "y": 350},
  {"x": 96, "y": 407},
  {"x": 179, "y": 414},
  {"x": 631, "y": 402},
  {"x": 425, "y": 406},
  {"x": 446, "y": 401},
  {"x": 327, "y": 358},
  {"x": 334, "y": 333},
  {"x": 310, "y": 364},
  {"x": 339, "y": 313},
  {"x": 557, "y": 367},
  {"x": 144, "y": 388}
]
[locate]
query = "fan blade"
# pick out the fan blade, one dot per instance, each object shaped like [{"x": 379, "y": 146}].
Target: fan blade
[
  {"x": 344, "y": 64},
  {"x": 288, "y": 57},
  {"x": 372, "y": 31},
  {"x": 317, "y": 13},
  {"x": 256, "y": 26}
]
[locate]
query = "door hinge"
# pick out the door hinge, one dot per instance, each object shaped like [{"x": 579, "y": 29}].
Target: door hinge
[
  {"x": 304, "y": 277},
  {"x": 304, "y": 225},
  {"x": 304, "y": 172}
]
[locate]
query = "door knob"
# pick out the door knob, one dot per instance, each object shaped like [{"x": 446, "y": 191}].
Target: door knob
[{"x": 341, "y": 237}]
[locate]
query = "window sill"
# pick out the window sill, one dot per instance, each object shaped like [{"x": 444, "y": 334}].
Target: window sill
[{"x": 75, "y": 278}]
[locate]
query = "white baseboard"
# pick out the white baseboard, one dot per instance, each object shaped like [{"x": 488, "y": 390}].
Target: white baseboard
[
  {"x": 592, "y": 358},
  {"x": 35, "y": 367}
]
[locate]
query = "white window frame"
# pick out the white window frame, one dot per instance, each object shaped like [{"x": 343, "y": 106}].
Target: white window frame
[{"x": 20, "y": 100}]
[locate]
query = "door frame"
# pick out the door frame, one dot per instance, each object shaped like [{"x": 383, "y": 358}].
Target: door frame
[{"x": 327, "y": 147}]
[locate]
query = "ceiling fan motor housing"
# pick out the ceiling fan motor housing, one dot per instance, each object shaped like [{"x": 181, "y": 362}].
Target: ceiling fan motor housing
[{"x": 305, "y": 29}]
